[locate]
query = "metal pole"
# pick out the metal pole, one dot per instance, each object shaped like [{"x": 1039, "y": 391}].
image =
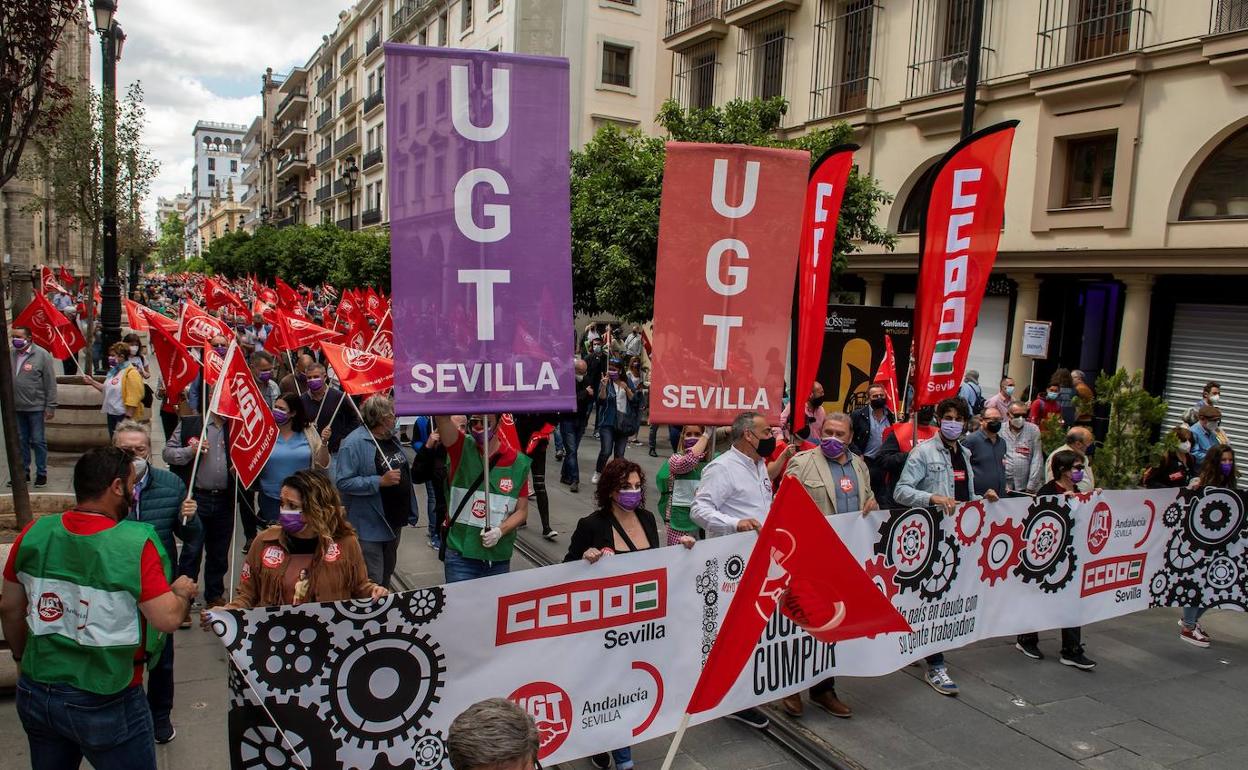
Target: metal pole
[
  {"x": 972, "y": 67},
  {"x": 110, "y": 290}
]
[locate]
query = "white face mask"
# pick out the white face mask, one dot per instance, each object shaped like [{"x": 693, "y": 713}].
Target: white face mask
[
  {"x": 1185, "y": 446},
  {"x": 134, "y": 350},
  {"x": 1016, "y": 422},
  {"x": 140, "y": 468},
  {"x": 1215, "y": 398}
]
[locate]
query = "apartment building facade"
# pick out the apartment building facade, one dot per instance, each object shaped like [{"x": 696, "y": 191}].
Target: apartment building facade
[
  {"x": 328, "y": 127},
  {"x": 218, "y": 164},
  {"x": 1127, "y": 211}
]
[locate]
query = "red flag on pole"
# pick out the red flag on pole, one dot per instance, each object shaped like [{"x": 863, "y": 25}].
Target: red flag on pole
[
  {"x": 177, "y": 365},
  {"x": 886, "y": 375},
  {"x": 374, "y": 305},
  {"x": 48, "y": 283},
  {"x": 136, "y": 319},
  {"x": 66, "y": 279},
  {"x": 802, "y": 567},
  {"x": 50, "y": 329},
  {"x": 253, "y": 433},
  {"x": 960, "y": 232},
  {"x": 360, "y": 373},
  {"x": 217, "y": 296},
  {"x": 288, "y": 299},
  {"x": 196, "y": 328},
  {"x": 383, "y": 338},
  {"x": 824, "y": 193},
  {"x": 358, "y": 332},
  {"x": 297, "y": 332},
  {"x": 149, "y": 318},
  {"x": 214, "y": 363}
]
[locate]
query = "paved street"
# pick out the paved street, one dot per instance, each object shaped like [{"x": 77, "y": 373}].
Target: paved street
[{"x": 1152, "y": 702}]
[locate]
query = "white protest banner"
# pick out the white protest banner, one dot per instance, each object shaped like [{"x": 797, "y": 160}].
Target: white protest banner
[{"x": 606, "y": 655}]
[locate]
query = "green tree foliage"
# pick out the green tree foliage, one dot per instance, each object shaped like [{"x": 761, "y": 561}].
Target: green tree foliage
[
  {"x": 1134, "y": 414},
  {"x": 305, "y": 254},
  {"x": 617, "y": 180},
  {"x": 169, "y": 242}
]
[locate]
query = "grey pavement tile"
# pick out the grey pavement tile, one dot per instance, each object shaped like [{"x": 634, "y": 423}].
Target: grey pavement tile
[
  {"x": 1067, "y": 726},
  {"x": 1150, "y": 741},
  {"x": 1235, "y": 758},
  {"x": 755, "y": 752},
  {"x": 1121, "y": 759},
  {"x": 1204, "y": 713},
  {"x": 981, "y": 742}
]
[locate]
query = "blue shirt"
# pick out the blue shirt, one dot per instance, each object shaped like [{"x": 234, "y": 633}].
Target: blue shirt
[{"x": 294, "y": 454}]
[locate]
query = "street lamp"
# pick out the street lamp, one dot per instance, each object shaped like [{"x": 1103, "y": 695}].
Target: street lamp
[
  {"x": 351, "y": 174},
  {"x": 298, "y": 207},
  {"x": 111, "y": 41},
  {"x": 264, "y": 214}
]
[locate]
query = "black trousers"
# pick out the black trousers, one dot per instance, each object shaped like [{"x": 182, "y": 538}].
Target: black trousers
[
  {"x": 1071, "y": 639},
  {"x": 538, "y": 469}
]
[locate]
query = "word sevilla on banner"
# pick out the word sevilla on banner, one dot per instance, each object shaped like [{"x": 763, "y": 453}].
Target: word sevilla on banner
[
  {"x": 961, "y": 228},
  {"x": 507, "y": 256},
  {"x": 359, "y": 373},
  {"x": 987, "y": 570},
  {"x": 801, "y": 566},
  {"x": 729, "y": 232},
  {"x": 253, "y": 432},
  {"x": 824, "y": 193}
]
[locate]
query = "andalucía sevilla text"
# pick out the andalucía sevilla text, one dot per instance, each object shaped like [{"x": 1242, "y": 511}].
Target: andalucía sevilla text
[
  {"x": 824, "y": 193},
  {"x": 253, "y": 432},
  {"x": 606, "y": 655},
  {"x": 729, "y": 229},
  {"x": 960, "y": 231},
  {"x": 483, "y": 247}
]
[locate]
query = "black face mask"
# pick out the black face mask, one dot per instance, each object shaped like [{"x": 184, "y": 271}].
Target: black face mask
[
  {"x": 878, "y": 403},
  {"x": 815, "y": 401},
  {"x": 993, "y": 426},
  {"x": 766, "y": 446}
]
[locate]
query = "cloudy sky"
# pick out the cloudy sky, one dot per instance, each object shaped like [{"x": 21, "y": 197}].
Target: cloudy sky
[{"x": 203, "y": 61}]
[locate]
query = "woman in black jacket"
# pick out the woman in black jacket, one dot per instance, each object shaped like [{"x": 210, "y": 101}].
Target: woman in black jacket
[
  {"x": 1177, "y": 467},
  {"x": 620, "y": 525}
]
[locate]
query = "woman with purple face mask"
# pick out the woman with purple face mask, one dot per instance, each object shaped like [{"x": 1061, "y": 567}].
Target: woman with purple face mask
[
  {"x": 1068, "y": 469},
  {"x": 122, "y": 388},
  {"x": 620, "y": 525},
  {"x": 298, "y": 447},
  {"x": 617, "y": 414}
]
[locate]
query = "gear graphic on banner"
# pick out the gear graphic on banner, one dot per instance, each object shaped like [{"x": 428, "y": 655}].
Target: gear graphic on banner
[
  {"x": 255, "y": 744},
  {"x": 357, "y": 610},
  {"x": 1048, "y": 532},
  {"x": 1001, "y": 551},
  {"x": 289, "y": 651},
  {"x": 1181, "y": 554},
  {"x": 420, "y": 607},
  {"x": 1215, "y": 519},
  {"x": 943, "y": 572},
  {"x": 969, "y": 524},
  {"x": 883, "y": 575},
  {"x": 908, "y": 540}
]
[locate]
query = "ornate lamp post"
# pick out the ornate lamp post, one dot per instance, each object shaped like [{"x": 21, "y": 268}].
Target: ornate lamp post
[
  {"x": 352, "y": 175},
  {"x": 111, "y": 41}
]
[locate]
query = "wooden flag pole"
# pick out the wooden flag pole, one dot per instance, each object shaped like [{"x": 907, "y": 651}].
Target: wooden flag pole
[
  {"x": 676, "y": 739},
  {"x": 376, "y": 443}
]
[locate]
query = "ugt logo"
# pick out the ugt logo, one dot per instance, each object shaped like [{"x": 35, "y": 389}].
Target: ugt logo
[{"x": 551, "y": 709}]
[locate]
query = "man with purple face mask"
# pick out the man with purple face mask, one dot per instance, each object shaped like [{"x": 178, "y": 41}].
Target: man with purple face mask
[
  {"x": 839, "y": 482},
  {"x": 321, "y": 403},
  {"x": 262, "y": 370},
  {"x": 34, "y": 395},
  {"x": 938, "y": 473}
]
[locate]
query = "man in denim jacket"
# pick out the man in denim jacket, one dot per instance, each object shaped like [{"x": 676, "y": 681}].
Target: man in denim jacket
[{"x": 938, "y": 474}]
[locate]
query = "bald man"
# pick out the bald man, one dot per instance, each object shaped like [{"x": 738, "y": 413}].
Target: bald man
[{"x": 1077, "y": 440}]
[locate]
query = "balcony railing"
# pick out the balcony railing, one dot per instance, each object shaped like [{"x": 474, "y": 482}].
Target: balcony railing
[
  {"x": 686, "y": 14},
  {"x": 347, "y": 223},
  {"x": 404, "y": 15},
  {"x": 291, "y": 127},
  {"x": 346, "y": 57},
  {"x": 373, "y": 44},
  {"x": 290, "y": 160},
  {"x": 371, "y": 158},
  {"x": 322, "y": 193},
  {"x": 940, "y": 38},
  {"x": 287, "y": 192},
  {"x": 290, "y": 98},
  {"x": 370, "y": 217},
  {"x": 373, "y": 101},
  {"x": 1227, "y": 16},
  {"x": 345, "y": 99},
  {"x": 845, "y": 58},
  {"x": 325, "y": 154},
  {"x": 324, "y": 82},
  {"x": 284, "y": 222},
  {"x": 341, "y": 186},
  {"x": 1089, "y": 29},
  {"x": 347, "y": 141},
  {"x": 325, "y": 118}
]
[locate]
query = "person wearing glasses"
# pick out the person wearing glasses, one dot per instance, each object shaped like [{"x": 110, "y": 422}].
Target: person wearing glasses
[{"x": 1068, "y": 468}]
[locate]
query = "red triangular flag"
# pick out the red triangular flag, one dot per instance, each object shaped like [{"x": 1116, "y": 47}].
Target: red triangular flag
[
  {"x": 136, "y": 319},
  {"x": 359, "y": 373},
  {"x": 253, "y": 433},
  {"x": 216, "y": 296},
  {"x": 886, "y": 375},
  {"x": 800, "y": 565},
  {"x": 48, "y": 328},
  {"x": 177, "y": 365},
  {"x": 383, "y": 338},
  {"x": 196, "y": 327}
]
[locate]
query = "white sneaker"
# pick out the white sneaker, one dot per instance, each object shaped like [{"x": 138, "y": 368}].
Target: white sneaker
[{"x": 594, "y": 480}]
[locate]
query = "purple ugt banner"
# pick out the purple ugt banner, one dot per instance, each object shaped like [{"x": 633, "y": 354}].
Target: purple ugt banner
[{"x": 480, "y": 237}]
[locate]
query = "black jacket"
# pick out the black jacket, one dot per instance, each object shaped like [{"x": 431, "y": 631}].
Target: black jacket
[
  {"x": 595, "y": 531},
  {"x": 861, "y": 422},
  {"x": 1171, "y": 472}
]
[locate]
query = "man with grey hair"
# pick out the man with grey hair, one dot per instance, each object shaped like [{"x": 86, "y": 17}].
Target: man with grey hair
[
  {"x": 494, "y": 734},
  {"x": 735, "y": 495},
  {"x": 34, "y": 399},
  {"x": 1078, "y": 440}
]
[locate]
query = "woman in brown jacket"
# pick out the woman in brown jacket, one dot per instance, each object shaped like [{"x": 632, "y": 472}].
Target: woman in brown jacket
[{"x": 310, "y": 555}]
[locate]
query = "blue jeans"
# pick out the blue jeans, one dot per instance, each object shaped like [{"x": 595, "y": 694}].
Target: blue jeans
[
  {"x": 459, "y": 567},
  {"x": 431, "y": 509},
  {"x": 935, "y": 661},
  {"x": 1191, "y": 615},
  {"x": 572, "y": 431},
  {"x": 216, "y": 513},
  {"x": 558, "y": 439},
  {"x": 612, "y": 445},
  {"x": 270, "y": 507},
  {"x": 623, "y": 758},
  {"x": 65, "y": 724},
  {"x": 30, "y": 435}
]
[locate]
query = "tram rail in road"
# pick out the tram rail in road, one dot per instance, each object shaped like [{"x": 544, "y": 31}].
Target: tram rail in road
[{"x": 801, "y": 744}]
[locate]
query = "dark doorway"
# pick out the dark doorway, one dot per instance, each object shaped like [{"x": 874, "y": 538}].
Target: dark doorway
[{"x": 1087, "y": 317}]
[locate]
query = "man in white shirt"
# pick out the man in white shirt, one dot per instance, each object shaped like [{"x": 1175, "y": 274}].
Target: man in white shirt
[{"x": 735, "y": 495}]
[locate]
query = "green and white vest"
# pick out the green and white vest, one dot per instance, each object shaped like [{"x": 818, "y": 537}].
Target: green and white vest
[{"x": 505, "y": 485}]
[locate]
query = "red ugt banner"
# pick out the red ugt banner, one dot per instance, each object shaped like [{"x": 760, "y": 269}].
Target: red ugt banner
[
  {"x": 253, "y": 433},
  {"x": 729, "y": 231},
  {"x": 824, "y": 193},
  {"x": 960, "y": 232},
  {"x": 802, "y": 567}
]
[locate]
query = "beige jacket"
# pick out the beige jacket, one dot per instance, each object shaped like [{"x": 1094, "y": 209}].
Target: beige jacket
[{"x": 810, "y": 468}]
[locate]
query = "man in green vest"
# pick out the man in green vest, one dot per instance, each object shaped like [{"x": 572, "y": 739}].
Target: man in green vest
[
  {"x": 480, "y": 534},
  {"x": 87, "y": 602}
]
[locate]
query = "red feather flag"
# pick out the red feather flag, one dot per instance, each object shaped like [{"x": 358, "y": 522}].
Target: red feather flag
[
  {"x": 253, "y": 432},
  {"x": 177, "y": 365},
  {"x": 800, "y": 566},
  {"x": 886, "y": 375},
  {"x": 360, "y": 373}
]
